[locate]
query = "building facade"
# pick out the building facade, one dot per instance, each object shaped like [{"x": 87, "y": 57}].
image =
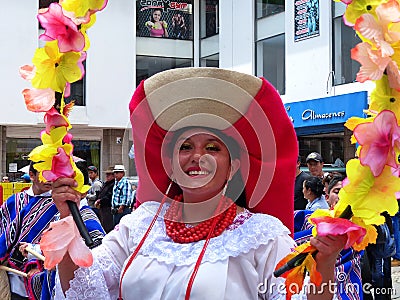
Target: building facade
[{"x": 302, "y": 47}]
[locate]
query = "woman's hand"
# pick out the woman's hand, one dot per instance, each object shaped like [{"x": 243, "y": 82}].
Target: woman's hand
[
  {"x": 63, "y": 191},
  {"x": 328, "y": 247}
]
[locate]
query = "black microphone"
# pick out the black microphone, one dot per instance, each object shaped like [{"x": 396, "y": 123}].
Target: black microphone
[{"x": 79, "y": 223}]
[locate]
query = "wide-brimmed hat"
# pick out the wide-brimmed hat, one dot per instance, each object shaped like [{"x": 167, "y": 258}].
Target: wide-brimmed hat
[
  {"x": 241, "y": 106},
  {"x": 109, "y": 170},
  {"x": 119, "y": 168}
]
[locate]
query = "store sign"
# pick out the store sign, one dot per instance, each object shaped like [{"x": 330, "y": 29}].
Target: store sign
[
  {"x": 306, "y": 19},
  {"x": 327, "y": 111},
  {"x": 164, "y": 19}
]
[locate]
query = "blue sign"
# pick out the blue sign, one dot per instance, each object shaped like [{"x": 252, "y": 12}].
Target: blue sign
[{"x": 327, "y": 111}]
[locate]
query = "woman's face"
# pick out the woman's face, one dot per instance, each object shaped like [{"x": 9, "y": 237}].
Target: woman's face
[
  {"x": 333, "y": 194},
  {"x": 157, "y": 15},
  {"x": 202, "y": 164}
]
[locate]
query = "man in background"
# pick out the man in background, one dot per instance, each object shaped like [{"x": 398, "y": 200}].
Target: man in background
[
  {"x": 121, "y": 199},
  {"x": 315, "y": 163},
  {"x": 103, "y": 203},
  {"x": 299, "y": 201},
  {"x": 95, "y": 186}
]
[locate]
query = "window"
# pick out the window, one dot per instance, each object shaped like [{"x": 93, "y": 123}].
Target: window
[
  {"x": 345, "y": 38},
  {"x": 209, "y": 18},
  {"x": 160, "y": 19},
  {"x": 18, "y": 150},
  {"x": 329, "y": 146},
  {"x": 210, "y": 61},
  {"x": 270, "y": 58},
  {"x": 147, "y": 66},
  {"x": 266, "y": 8}
]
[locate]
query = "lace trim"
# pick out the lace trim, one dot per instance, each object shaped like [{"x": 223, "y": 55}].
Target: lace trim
[
  {"x": 255, "y": 230},
  {"x": 89, "y": 283}
]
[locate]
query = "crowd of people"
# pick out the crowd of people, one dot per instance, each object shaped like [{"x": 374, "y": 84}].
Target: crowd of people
[{"x": 204, "y": 223}]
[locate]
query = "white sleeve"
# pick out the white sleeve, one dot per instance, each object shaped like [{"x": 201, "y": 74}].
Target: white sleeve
[{"x": 101, "y": 280}]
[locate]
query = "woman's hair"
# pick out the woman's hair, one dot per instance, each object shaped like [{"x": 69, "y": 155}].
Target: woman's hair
[
  {"x": 315, "y": 184},
  {"x": 335, "y": 179},
  {"x": 154, "y": 10},
  {"x": 327, "y": 179},
  {"x": 235, "y": 189}
]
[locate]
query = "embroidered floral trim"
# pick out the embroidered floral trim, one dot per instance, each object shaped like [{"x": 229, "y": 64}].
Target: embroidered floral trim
[{"x": 248, "y": 232}]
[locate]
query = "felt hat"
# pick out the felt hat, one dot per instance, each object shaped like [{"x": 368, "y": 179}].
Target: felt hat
[{"x": 242, "y": 106}]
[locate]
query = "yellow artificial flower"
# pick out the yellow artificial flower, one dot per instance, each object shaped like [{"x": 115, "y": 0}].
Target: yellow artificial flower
[
  {"x": 359, "y": 7},
  {"x": 370, "y": 236},
  {"x": 84, "y": 28},
  {"x": 54, "y": 69},
  {"x": 385, "y": 98},
  {"x": 352, "y": 122},
  {"x": 367, "y": 195},
  {"x": 82, "y": 7}
]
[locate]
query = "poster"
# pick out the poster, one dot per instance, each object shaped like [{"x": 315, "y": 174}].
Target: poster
[
  {"x": 164, "y": 19},
  {"x": 306, "y": 19}
]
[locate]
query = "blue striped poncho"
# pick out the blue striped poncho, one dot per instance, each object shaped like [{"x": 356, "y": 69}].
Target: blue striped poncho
[{"x": 23, "y": 218}]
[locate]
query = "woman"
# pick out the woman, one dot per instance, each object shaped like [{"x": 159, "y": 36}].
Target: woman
[
  {"x": 157, "y": 28},
  {"x": 313, "y": 190},
  {"x": 219, "y": 147}
]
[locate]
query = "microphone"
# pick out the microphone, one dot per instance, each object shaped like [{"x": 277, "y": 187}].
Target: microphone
[{"x": 79, "y": 223}]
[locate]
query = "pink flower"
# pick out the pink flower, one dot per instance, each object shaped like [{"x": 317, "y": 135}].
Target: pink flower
[
  {"x": 379, "y": 141},
  {"x": 39, "y": 100},
  {"x": 61, "y": 28},
  {"x": 53, "y": 118},
  {"x": 338, "y": 226},
  {"x": 372, "y": 63},
  {"x": 60, "y": 166},
  {"x": 62, "y": 237}
]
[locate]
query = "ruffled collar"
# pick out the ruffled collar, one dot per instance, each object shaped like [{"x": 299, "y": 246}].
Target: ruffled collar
[{"x": 247, "y": 232}]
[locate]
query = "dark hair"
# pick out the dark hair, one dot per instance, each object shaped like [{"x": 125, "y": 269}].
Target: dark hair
[
  {"x": 315, "y": 184},
  {"x": 235, "y": 189},
  {"x": 82, "y": 166},
  {"x": 151, "y": 17},
  {"x": 327, "y": 179},
  {"x": 32, "y": 168},
  {"x": 333, "y": 182}
]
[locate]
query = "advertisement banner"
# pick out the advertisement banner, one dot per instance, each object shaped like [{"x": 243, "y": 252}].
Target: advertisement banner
[
  {"x": 164, "y": 19},
  {"x": 306, "y": 19}
]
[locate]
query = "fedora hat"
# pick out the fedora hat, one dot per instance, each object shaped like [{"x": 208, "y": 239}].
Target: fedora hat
[
  {"x": 110, "y": 169},
  {"x": 119, "y": 168},
  {"x": 242, "y": 106}
]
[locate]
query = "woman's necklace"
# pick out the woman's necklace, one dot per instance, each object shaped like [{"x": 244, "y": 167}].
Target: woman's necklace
[{"x": 180, "y": 233}]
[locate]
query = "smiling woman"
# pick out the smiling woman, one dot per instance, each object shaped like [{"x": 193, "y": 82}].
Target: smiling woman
[{"x": 213, "y": 159}]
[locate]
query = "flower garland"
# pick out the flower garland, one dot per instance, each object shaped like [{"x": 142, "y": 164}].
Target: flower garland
[
  {"x": 55, "y": 66},
  {"x": 373, "y": 179}
]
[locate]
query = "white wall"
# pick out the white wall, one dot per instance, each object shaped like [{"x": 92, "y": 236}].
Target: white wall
[
  {"x": 19, "y": 39},
  {"x": 111, "y": 65},
  {"x": 236, "y": 37},
  {"x": 308, "y": 62}
]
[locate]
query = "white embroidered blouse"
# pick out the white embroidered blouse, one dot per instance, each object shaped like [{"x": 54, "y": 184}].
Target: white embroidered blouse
[{"x": 237, "y": 264}]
